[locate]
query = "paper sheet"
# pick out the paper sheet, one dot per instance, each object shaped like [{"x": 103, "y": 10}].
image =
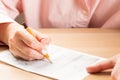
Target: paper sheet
[{"x": 67, "y": 64}]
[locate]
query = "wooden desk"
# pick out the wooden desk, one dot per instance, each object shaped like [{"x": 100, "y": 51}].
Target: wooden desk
[{"x": 100, "y": 42}]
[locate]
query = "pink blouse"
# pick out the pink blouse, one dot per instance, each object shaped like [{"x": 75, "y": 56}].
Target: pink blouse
[{"x": 49, "y": 13}]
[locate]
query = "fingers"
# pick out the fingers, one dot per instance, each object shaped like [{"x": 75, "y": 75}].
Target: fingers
[
  {"x": 107, "y": 64},
  {"x": 23, "y": 51},
  {"x": 116, "y": 71},
  {"x": 29, "y": 52},
  {"x": 29, "y": 40},
  {"x": 19, "y": 54},
  {"x": 25, "y": 46},
  {"x": 45, "y": 40},
  {"x": 113, "y": 62}
]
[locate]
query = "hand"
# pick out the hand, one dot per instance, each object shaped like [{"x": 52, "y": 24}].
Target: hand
[
  {"x": 113, "y": 62},
  {"x": 23, "y": 45}
]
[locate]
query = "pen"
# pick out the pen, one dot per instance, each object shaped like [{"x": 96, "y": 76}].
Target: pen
[{"x": 44, "y": 52}]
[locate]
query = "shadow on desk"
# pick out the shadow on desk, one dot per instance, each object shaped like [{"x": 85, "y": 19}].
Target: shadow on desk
[{"x": 105, "y": 75}]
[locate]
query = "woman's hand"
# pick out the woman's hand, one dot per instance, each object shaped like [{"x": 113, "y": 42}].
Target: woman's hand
[
  {"x": 113, "y": 62},
  {"x": 23, "y": 45}
]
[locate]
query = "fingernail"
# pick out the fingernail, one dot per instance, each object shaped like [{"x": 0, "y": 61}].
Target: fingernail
[{"x": 40, "y": 56}]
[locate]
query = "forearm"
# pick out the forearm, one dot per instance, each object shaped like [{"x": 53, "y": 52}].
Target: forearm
[{"x": 7, "y": 31}]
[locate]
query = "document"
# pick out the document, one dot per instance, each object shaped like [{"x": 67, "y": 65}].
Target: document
[{"x": 67, "y": 64}]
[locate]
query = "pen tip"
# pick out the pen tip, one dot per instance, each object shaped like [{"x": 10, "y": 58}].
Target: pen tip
[{"x": 50, "y": 61}]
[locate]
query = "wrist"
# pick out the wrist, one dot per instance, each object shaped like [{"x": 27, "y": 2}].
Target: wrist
[{"x": 8, "y": 30}]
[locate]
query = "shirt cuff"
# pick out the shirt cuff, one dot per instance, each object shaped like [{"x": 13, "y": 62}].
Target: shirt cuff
[{"x": 5, "y": 19}]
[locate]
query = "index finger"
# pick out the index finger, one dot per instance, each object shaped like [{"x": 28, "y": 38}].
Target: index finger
[{"x": 107, "y": 64}]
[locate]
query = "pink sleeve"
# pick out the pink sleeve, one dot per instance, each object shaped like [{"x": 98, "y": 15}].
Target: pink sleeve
[{"x": 9, "y": 9}]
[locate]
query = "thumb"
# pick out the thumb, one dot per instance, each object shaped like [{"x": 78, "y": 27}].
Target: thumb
[
  {"x": 116, "y": 72},
  {"x": 107, "y": 64}
]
